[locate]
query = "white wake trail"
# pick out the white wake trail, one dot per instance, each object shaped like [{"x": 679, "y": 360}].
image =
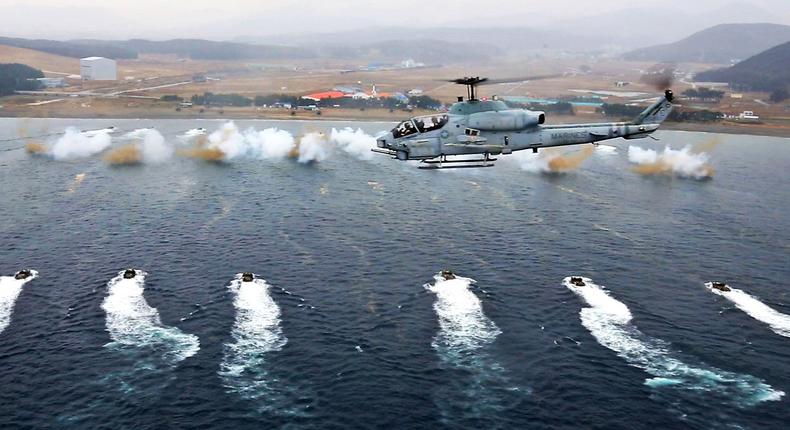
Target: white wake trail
[
  {"x": 779, "y": 322},
  {"x": 132, "y": 322},
  {"x": 477, "y": 386},
  {"x": 464, "y": 326},
  {"x": 609, "y": 321},
  {"x": 256, "y": 332},
  {"x": 10, "y": 288}
]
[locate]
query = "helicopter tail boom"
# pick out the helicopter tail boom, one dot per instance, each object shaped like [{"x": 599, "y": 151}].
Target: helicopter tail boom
[{"x": 658, "y": 111}]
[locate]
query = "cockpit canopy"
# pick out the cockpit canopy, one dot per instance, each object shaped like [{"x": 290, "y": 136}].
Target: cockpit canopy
[{"x": 421, "y": 124}]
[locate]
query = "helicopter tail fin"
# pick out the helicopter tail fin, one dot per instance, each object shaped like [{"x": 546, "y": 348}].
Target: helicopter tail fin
[{"x": 658, "y": 111}]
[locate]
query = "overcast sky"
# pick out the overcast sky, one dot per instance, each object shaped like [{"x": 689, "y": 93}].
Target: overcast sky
[{"x": 226, "y": 19}]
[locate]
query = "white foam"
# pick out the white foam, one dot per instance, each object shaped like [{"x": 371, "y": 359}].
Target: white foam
[
  {"x": 10, "y": 288},
  {"x": 256, "y": 332},
  {"x": 463, "y": 325},
  {"x": 75, "y": 144},
  {"x": 779, "y": 322},
  {"x": 609, "y": 321},
  {"x": 152, "y": 145},
  {"x": 683, "y": 162},
  {"x": 132, "y": 322},
  {"x": 355, "y": 142}
]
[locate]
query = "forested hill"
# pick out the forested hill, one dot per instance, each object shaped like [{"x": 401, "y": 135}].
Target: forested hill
[
  {"x": 15, "y": 77},
  {"x": 767, "y": 71},
  {"x": 719, "y": 44}
]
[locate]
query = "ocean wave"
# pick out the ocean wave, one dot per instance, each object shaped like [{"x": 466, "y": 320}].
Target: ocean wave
[
  {"x": 609, "y": 321},
  {"x": 777, "y": 321},
  {"x": 256, "y": 333},
  {"x": 132, "y": 322},
  {"x": 10, "y": 288}
]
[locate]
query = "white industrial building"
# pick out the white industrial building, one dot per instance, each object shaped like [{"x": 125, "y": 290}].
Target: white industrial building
[{"x": 98, "y": 69}]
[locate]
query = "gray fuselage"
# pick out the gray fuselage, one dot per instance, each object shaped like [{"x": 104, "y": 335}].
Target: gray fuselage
[{"x": 490, "y": 127}]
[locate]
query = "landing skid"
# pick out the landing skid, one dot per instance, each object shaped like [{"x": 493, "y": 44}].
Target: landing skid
[{"x": 441, "y": 161}]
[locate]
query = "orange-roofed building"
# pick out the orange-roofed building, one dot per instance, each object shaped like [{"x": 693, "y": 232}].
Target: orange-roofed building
[{"x": 324, "y": 96}]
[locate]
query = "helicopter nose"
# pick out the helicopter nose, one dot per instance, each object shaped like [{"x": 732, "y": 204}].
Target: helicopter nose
[{"x": 384, "y": 140}]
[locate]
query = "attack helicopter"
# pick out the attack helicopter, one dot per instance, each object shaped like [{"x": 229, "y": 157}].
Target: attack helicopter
[{"x": 489, "y": 128}]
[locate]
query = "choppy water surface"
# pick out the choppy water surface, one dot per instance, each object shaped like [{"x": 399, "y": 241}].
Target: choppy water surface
[{"x": 345, "y": 325}]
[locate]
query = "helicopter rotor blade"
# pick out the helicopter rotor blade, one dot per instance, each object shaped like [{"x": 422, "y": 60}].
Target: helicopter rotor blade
[
  {"x": 487, "y": 81},
  {"x": 518, "y": 79}
]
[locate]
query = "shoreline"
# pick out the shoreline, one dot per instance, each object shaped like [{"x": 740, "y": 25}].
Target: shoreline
[{"x": 346, "y": 115}]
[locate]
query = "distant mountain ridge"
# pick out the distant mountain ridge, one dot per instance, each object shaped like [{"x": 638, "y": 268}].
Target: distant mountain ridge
[
  {"x": 193, "y": 48},
  {"x": 200, "y": 49},
  {"x": 719, "y": 44},
  {"x": 428, "y": 51},
  {"x": 505, "y": 39},
  {"x": 69, "y": 49},
  {"x": 766, "y": 71}
]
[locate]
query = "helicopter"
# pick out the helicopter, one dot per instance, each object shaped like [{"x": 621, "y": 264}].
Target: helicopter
[{"x": 489, "y": 128}]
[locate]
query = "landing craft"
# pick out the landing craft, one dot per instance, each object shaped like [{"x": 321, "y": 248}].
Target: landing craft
[
  {"x": 247, "y": 277},
  {"x": 490, "y": 127},
  {"x": 23, "y": 274},
  {"x": 129, "y": 273},
  {"x": 448, "y": 275},
  {"x": 577, "y": 281},
  {"x": 94, "y": 132},
  {"x": 721, "y": 286}
]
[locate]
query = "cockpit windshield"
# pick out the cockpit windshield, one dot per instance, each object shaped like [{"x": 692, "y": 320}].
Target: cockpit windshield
[
  {"x": 430, "y": 123},
  {"x": 404, "y": 129}
]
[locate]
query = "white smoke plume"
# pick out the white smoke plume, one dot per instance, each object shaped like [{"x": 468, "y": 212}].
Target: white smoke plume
[
  {"x": 229, "y": 140},
  {"x": 312, "y": 148},
  {"x": 554, "y": 160},
  {"x": 152, "y": 145},
  {"x": 355, "y": 142},
  {"x": 74, "y": 144},
  {"x": 270, "y": 143},
  {"x": 684, "y": 163}
]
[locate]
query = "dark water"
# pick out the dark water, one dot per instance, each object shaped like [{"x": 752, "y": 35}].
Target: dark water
[{"x": 345, "y": 335}]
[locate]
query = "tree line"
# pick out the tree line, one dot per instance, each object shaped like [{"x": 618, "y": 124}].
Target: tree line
[
  {"x": 211, "y": 99},
  {"x": 18, "y": 77}
]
